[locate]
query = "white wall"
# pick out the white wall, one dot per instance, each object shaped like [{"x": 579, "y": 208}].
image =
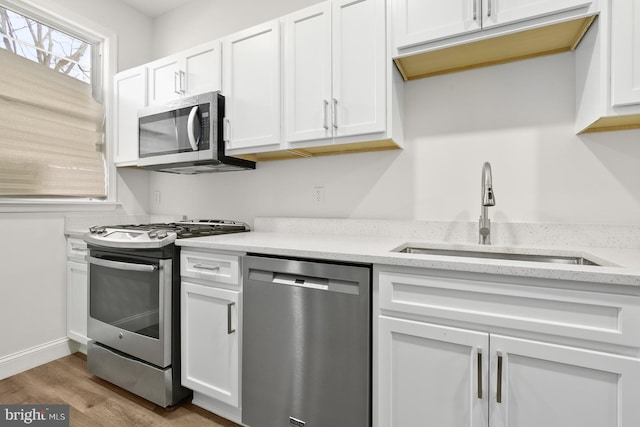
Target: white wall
[
  {"x": 518, "y": 116},
  {"x": 33, "y": 252}
]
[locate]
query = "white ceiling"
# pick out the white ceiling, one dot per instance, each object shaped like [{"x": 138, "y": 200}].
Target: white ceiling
[{"x": 155, "y": 8}]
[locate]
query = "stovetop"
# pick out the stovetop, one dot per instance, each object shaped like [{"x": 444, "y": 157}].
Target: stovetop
[{"x": 160, "y": 234}]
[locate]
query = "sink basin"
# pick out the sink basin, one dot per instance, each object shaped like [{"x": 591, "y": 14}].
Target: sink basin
[{"x": 554, "y": 259}]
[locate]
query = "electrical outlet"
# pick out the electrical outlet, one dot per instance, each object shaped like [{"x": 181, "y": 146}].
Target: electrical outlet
[
  {"x": 318, "y": 195},
  {"x": 156, "y": 197}
]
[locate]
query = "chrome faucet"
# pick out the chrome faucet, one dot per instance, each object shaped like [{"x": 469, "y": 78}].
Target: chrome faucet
[{"x": 488, "y": 199}]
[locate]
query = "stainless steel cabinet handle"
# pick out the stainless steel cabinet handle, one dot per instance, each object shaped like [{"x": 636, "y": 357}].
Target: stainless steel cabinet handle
[
  {"x": 499, "y": 384},
  {"x": 489, "y": 8},
  {"x": 206, "y": 267},
  {"x": 227, "y": 131},
  {"x": 176, "y": 83},
  {"x": 183, "y": 81},
  {"x": 229, "y": 330},
  {"x": 335, "y": 113},
  {"x": 122, "y": 265},
  {"x": 475, "y": 10},
  {"x": 78, "y": 247},
  {"x": 326, "y": 114},
  {"x": 479, "y": 374}
]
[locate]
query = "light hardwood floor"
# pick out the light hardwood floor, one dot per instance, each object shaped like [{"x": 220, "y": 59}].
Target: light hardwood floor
[{"x": 95, "y": 402}]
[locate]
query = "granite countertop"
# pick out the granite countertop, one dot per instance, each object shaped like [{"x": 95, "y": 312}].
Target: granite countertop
[{"x": 374, "y": 241}]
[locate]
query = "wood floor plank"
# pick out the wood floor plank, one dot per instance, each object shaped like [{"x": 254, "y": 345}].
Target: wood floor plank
[{"x": 97, "y": 403}]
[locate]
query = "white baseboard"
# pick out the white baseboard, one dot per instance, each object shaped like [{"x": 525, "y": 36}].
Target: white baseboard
[{"x": 36, "y": 356}]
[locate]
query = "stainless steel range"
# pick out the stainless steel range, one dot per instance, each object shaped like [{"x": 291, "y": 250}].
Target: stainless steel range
[{"x": 134, "y": 304}]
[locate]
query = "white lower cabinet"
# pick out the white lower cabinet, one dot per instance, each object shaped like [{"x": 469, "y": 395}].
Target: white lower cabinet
[
  {"x": 210, "y": 342},
  {"x": 210, "y": 315},
  {"x": 543, "y": 384},
  {"x": 429, "y": 375},
  {"x": 77, "y": 290},
  {"x": 77, "y": 301},
  {"x": 481, "y": 375}
]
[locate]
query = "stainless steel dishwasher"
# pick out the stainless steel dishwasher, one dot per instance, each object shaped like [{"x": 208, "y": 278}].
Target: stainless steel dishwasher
[{"x": 306, "y": 346}]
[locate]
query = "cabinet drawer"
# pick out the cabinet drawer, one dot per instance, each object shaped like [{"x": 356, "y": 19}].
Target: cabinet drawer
[
  {"x": 594, "y": 316},
  {"x": 210, "y": 266},
  {"x": 76, "y": 248}
]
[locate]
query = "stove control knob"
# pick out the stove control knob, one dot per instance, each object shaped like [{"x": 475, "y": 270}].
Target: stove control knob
[
  {"x": 162, "y": 234},
  {"x": 153, "y": 234}
]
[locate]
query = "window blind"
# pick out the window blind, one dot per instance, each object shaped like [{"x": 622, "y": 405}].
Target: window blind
[{"x": 51, "y": 133}]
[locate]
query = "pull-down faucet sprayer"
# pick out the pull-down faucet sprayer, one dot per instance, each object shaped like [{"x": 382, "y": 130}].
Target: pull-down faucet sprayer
[{"x": 488, "y": 199}]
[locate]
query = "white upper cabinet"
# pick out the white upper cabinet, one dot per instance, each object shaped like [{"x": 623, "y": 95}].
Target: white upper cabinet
[
  {"x": 130, "y": 94},
  {"x": 307, "y": 70},
  {"x": 359, "y": 59},
  {"x": 196, "y": 70},
  {"x": 608, "y": 70},
  {"x": 252, "y": 89},
  {"x": 500, "y": 12},
  {"x": 423, "y": 21},
  {"x": 335, "y": 76},
  {"x": 418, "y": 21},
  {"x": 436, "y": 37},
  {"x": 625, "y": 52},
  {"x": 315, "y": 82},
  {"x": 164, "y": 80}
]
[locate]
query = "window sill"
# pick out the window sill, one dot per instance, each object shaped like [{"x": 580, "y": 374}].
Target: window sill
[{"x": 17, "y": 205}]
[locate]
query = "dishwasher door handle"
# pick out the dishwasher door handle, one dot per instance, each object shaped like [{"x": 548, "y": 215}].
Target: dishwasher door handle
[
  {"x": 304, "y": 282},
  {"x": 317, "y": 280}
]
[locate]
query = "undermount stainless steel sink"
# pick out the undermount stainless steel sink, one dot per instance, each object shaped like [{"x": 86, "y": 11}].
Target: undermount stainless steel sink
[{"x": 554, "y": 259}]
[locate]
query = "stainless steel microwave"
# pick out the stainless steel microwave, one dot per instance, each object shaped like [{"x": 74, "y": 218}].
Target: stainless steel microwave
[{"x": 186, "y": 136}]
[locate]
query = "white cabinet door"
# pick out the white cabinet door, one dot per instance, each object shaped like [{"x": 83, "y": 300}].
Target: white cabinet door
[
  {"x": 210, "y": 343},
  {"x": 335, "y": 70},
  {"x": 499, "y": 12},
  {"x": 130, "y": 94},
  {"x": 202, "y": 69},
  {"x": 423, "y": 21},
  {"x": 431, "y": 375},
  {"x": 420, "y": 21},
  {"x": 307, "y": 73},
  {"x": 77, "y": 301},
  {"x": 625, "y": 52},
  {"x": 359, "y": 58},
  {"x": 191, "y": 72},
  {"x": 165, "y": 80},
  {"x": 550, "y": 385},
  {"x": 251, "y": 80}
]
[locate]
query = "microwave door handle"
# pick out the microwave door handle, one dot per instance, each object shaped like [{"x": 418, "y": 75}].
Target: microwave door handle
[
  {"x": 122, "y": 265},
  {"x": 193, "y": 141}
]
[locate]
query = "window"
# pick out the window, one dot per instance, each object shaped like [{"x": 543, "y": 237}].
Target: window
[{"x": 51, "y": 116}]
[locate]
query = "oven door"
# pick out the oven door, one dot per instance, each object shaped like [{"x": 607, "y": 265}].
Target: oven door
[{"x": 130, "y": 305}]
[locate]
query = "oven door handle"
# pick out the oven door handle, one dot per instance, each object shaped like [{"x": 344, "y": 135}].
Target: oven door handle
[{"x": 122, "y": 265}]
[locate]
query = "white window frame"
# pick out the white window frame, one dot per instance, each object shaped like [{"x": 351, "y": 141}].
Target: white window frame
[{"x": 69, "y": 21}]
